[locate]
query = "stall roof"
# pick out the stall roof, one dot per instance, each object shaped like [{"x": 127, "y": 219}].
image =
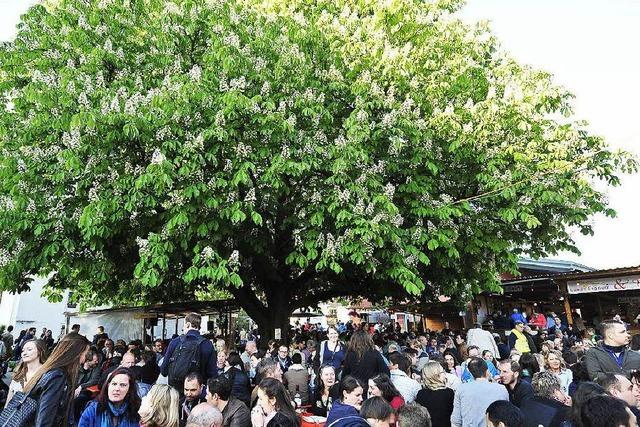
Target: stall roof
[
  {"x": 619, "y": 271},
  {"x": 551, "y": 265},
  {"x": 171, "y": 309}
]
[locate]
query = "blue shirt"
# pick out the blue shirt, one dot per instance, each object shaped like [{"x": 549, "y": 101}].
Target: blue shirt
[{"x": 467, "y": 377}]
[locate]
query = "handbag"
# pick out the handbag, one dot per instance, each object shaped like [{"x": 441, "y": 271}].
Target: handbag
[{"x": 20, "y": 412}]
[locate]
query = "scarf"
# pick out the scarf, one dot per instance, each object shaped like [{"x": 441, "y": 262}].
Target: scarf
[{"x": 117, "y": 411}]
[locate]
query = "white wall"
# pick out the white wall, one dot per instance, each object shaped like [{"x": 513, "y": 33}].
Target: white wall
[{"x": 30, "y": 309}]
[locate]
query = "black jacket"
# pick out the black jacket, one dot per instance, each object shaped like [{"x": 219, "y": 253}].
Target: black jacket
[
  {"x": 540, "y": 411},
  {"x": 281, "y": 420},
  {"x": 53, "y": 394},
  {"x": 599, "y": 362},
  {"x": 368, "y": 366},
  {"x": 240, "y": 385},
  {"x": 520, "y": 393}
]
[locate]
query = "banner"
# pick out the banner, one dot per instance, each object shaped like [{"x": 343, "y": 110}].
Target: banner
[{"x": 606, "y": 284}]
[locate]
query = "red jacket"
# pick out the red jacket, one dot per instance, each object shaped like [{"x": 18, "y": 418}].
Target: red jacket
[{"x": 540, "y": 321}]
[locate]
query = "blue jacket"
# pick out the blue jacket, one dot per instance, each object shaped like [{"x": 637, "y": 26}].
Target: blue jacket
[
  {"x": 90, "y": 418},
  {"x": 207, "y": 356},
  {"x": 342, "y": 415},
  {"x": 467, "y": 377}
]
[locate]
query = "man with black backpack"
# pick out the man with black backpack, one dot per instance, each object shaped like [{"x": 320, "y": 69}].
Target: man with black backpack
[{"x": 190, "y": 352}]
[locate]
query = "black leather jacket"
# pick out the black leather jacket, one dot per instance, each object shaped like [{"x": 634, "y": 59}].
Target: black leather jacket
[{"x": 53, "y": 395}]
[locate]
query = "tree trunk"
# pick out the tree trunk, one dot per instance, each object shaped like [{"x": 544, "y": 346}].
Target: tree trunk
[{"x": 274, "y": 326}]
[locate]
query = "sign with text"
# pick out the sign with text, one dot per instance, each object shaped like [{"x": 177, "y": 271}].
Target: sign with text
[{"x": 606, "y": 284}]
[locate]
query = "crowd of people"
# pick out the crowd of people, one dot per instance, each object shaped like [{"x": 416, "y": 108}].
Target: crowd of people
[{"x": 354, "y": 374}]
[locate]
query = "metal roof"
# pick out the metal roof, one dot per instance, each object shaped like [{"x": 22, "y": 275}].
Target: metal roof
[
  {"x": 552, "y": 265},
  {"x": 175, "y": 309},
  {"x": 624, "y": 271}
]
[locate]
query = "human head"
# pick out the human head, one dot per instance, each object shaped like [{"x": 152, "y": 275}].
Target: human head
[
  {"x": 412, "y": 414},
  {"x": 606, "y": 411},
  {"x": 618, "y": 386},
  {"x": 473, "y": 351},
  {"x": 615, "y": 333},
  {"x": 218, "y": 391},
  {"x": 399, "y": 361},
  {"x": 192, "y": 321},
  {"x": 158, "y": 346},
  {"x": 478, "y": 367},
  {"x": 101, "y": 329},
  {"x": 546, "y": 384},
  {"x": 272, "y": 395},
  {"x": 128, "y": 360},
  {"x": 433, "y": 375},
  {"x": 251, "y": 347},
  {"x": 296, "y": 358},
  {"x": 204, "y": 415},
  {"x": 326, "y": 377},
  {"x": 283, "y": 352},
  {"x": 509, "y": 372},
  {"x": 360, "y": 342},
  {"x": 91, "y": 359},
  {"x": 120, "y": 387},
  {"x": 75, "y": 328},
  {"x": 381, "y": 385},
  {"x": 269, "y": 368},
  {"x": 192, "y": 386},
  {"x": 502, "y": 413},
  {"x": 234, "y": 359},
  {"x": 519, "y": 326},
  {"x": 487, "y": 355},
  {"x": 34, "y": 350},
  {"x": 377, "y": 411},
  {"x": 529, "y": 362},
  {"x": 553, "y": 360},
  {"x": 160, "y": 406},
  {"x": 351, "y": 391}
]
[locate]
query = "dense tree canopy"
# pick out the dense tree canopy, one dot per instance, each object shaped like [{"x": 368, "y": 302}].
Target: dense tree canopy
[{"x": 285, "y": 150}]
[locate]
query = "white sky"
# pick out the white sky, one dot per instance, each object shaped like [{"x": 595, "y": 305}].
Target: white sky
[{"x": 591, "y": 46}]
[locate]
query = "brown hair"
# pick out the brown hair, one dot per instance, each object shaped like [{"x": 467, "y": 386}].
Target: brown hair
[
  {"x": 20, "y": 374},
  {"x": 66, "y": 357},
  {"x": 132, "y": 398},
  {"x": 194, "y": 319},
  {"x": 360, "y": 343}
]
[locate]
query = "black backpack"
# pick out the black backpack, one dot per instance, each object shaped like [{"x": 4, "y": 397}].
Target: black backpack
[{"x": 184, "y": 360}]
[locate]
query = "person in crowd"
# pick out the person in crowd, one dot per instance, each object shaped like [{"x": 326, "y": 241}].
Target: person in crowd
[
  {"x": 249, "y": 349},
  {"x": 296, "y": 379},
  {"x": 7, "y": 339},
  {"x": 620, "y": 386},
  {"x": 88, "y": 376},
  {"x": 108, "y": 349},
  {"x": 117, "y": 404},
  {"x": 128, "y": 361},
  {"x": 413, "y": 414},
  {"x": 381, "y": 386},
  {"x": 489, "y": 357},
  {"x": 53, "y": 383},
  {"x": 557, "y": 328},
  {"x": 234, "y": 412},
  {"x": 518, "y": 389},
  {"x": 274, "y": 407},
  {"x": 516, "y": 316},
  {"x": 48, "y": 339},
  {"x": 234, "y": 370},
  {"x": 146, "y": 371},
  {"x": 452, "y": 363},
  {"x": 549, "y": 406},
  {"x": 267, "y": 368},
  {"x": 179, "y": 357},
  {"x": 518, "y": 340},
  {"x": 529, "y": 366},
  {"x": 472, "y": 399},
  {"x": 612, "y": 356},
  {"x": 158, "y": 349},
  {"x": 34, "y": 355},
  {"x": 580, "y": 375},
  {"x": 538, "y": 320},
  {"x": 255, "y": 360},
  {"x": 584, "y": 392},
  {"x": 221, "y": 345},
  {"x": 377, "y": 412},
  {"x": 503, "y": 348},
  {"x": 283, "y": 358},
  {"x": 160, "y": 407},
  {"x": 326, "y": 392},
  {"x": 474, "y": 352},
  {"x": 504, "y": 414},
  {"x": 349, "y": 404},
  {"x": 362, "y": 360},
  {"x": 101, "y": 335},
  {"x": 204, "y": 415},
  {"x": 606, "y": 411},
  {"x": 555, "y": 363},
  {"x": 399, "y": 368},
  {"x": 435, "y": 395},
  {"x": 461, "y": 346},
  {"x": 482, "y": 339},
  {"x": 192, "y": 396},
  {"x": 331, "y": 350},
  {"x": 221, "y": 362}
]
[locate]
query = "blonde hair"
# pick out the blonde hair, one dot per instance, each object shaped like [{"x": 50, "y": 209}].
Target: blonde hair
[
  {"x": 221, "y": 345},
  {"x": 431, "y": 375},
  {"x": 556, "y": 353},
  {"x": 164, "y": 402}
]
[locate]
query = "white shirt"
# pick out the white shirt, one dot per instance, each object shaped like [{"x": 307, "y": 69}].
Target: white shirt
[{"x": 408, "y": 387}]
